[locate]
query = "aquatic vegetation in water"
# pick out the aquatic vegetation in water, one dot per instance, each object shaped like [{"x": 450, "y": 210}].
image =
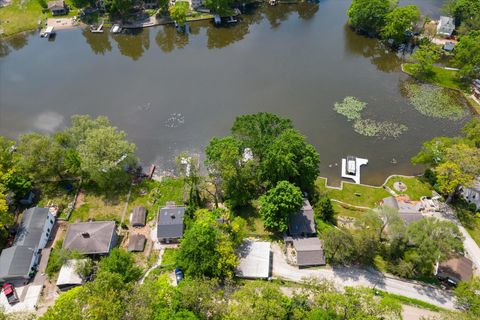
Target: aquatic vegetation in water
[
  {"x": 434, "y": 101},
  {"x": 373, "y": 128},
  {"x": 351, "y": 108}
]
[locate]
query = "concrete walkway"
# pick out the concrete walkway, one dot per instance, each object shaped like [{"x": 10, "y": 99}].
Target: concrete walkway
[
  {"x": 156, "y": 265},
  {"x": 360, "y": 277}
]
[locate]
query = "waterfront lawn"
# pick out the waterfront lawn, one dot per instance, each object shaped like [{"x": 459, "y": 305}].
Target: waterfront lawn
[
  {"x": 20, "y": 15},
  {"x": 59, "y": 194},
  {"x": 254, "y": 226},
  {"x": 353, "y": 194},
  {"x": 471, "y": 222},
  {"x": 97, "y": 207},
  {"x": 416, "y": 187},
  {"x": 347, "y": 211},
  {"x": 152, "y": 194},
  {"x": 440, "y": 77}
]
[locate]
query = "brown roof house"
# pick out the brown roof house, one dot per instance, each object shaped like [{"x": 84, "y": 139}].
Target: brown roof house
[
  {"x": 170, "y": 223},
  {"x": 57, "y": 8},
  {"x": 138, "y": 216},
  {"x": 302, "y": 223},
  {"x": 410, "y": 211},
  {"x": 91, "y": 238},
  {"x": 455, "y": 270}
]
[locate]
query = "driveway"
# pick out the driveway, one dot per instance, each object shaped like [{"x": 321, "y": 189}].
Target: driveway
[{"x": 359, "y": 277}]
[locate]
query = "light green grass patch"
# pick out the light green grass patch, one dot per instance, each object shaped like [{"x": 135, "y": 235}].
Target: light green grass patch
[
  {"x": 416, "y": 188},
  {"x": 440, "y": 77},
  {"x": 20, "y": 16},
  {"x": 169, "y": 259},
  {"x": 347, "y": 211}
]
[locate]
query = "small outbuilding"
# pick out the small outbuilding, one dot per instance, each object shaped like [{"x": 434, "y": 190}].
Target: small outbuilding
[
  {"x": 138, "y": 217},
  {"x": 68, "y": 277},
  {"x": 170, "y": 223},
  {"x": 136, "y": 242},
  {"x": 57, "y": 8},
  {"x": 302, "y": 223},
  {"x": 308, "y": 251},
  {"x": 455, "y": 270},
  {"x": 254, "y": 260},
  {"x": 446, "y": 26}
]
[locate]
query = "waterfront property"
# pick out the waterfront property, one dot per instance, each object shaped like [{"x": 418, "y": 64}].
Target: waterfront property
[
  {"x": 302, "y": 223},
  {"x": 170, "y": 223},
  {"x": 472, "y": 194},
  {"x": 455, "y": 270},
  {"x": 18, "y": 263},
  {"x": 410, "y": 211},
  {"x": 91, "y": 238},
  {"x": 57, "y": 8},
  {"x": 445, "y": 27},
  {"x": 254, "y": 260}
]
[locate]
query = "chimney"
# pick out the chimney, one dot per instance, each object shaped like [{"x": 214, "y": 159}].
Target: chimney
[{"x": 86, "y": 235}]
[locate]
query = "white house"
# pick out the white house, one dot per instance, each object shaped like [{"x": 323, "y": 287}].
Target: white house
[
  {"x": 472, "y": 194},
  {"x": 194, "y": 4},
  {"x": 445, "y": 26}
]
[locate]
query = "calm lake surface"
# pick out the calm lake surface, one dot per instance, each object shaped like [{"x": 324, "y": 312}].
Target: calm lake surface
[{"x": 173, "y": 92}]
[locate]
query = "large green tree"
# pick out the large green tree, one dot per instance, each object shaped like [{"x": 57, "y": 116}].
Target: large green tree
[
  {"x": 221, "y": 7},
  {"x": 467, "y": 54},
  {"x": 468, "y": 297},
  {"x": 178, "y": 12},
  {"x": 399, "y": 21},
  {"x": 291, "y": 158},
  {"x": 278, "y": 204},
  {"x": 425, "y": 57},
  {"x": 119, "y": 8},
  {"x": 338, "y": 246},
  {"x": 122, "y": 263},
  {"x": 368, "y": 16}
]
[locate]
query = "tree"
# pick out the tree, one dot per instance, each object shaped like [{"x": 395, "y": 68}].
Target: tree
[
  {"x": 67, "y": 306},
  {"x": 399, "y": 21},
  {"x": 40, "y": 158},
  {"x": 368, "y": 16},
  {"x": 434, "y": 241},
  {"x": 384, "y": 221},
  {"x": 467, "y": 54},
  {"x": 338, "y": 246},
  {"x": 471, "y": 131},
  {"x": 432, "y": 152},
  {"x": 258, "y": 131},
  {"x": 6, "y": 153},
  {"x": 425, "y": 56},
  {"x": 324, "y": 209},
  {"x": 178, "y": 12},
  {"x": 466, "y": 13},
  {"x": 449, "y": 176},
  {"x": 119, "y": 8},
  {"x": 188, "y": 167},
  {"x": 291, "y": 158},
  {"x": 122, "y": 263},
  {"x": 221, "y": 7},
  {"x": 467, "y": 297},
  {"x": 205, "y": 250},
  {"x": 202, "y": 296},
  {"x": 6, "y": 219},
  {"x": 278, "y": 204}
]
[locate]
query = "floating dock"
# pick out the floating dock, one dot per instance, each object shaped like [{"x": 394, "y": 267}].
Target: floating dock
[{"x": 358, "y": 163}]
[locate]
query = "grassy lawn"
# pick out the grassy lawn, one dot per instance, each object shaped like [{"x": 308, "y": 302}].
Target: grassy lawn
[
  {"x": 169, "y": 259},
  {"x": 441, "y": 77},
  {"x": 347, "y": 211},
  {"x": 410, "y": 301},
  {"x": 254, "y": 226},
  {"x": 20, "y": 16},
  {"x": 416, "y": 188},
  {"x": 471, "y": 222},
  {"x": 354, "y": 194},
  {"x": 59, "y": 194},
  {"x": 152, "y": 194}
]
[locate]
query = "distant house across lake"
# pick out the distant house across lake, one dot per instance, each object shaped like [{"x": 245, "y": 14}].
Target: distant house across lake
[{"x": 445, "y": 27}]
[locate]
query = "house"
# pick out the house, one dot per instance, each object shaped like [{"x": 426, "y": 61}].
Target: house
[
  {"x": 57, "y": 8},
  {"x": 446, "y": 26},
  {"x": 472, "y": 194},
  {"x": 194, "y": 4},
  {"x": 449, "y": 46},
  {"x": 254, "y": 260},
  {"x": 410, "y": 211},
  {"x": 138, "y": 216},
  {"x": 91, "y": 238},
  {"x": 136, "y": 242},
  {"x": 307, "y": 251},
  {"x": 68, "y": 276},
  {"x": 19, "y": 261},
  {"x": 302, "y": 223},
  {"x": 455, "y": 270},
  {"x": 170, "y": 223}
]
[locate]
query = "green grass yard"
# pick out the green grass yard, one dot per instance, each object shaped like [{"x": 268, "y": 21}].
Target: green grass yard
[
  {"x": 21, "y": 16},
  {"x": 440, "y": 77},
  {"x": 416, "y": 188}
]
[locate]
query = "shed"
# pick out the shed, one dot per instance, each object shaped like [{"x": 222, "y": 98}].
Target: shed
[
  {"x": 446, "y": 26},
  {"x": 170, "y": 223},
  {"x": 138, "y": 216},
  {"x": 68, "y": 276},
  {"x": 309, "y": 251},
  {"x": 136, "y": 242},
  {"x": 455, "y": 270},
  {"x": 449, "y": 46},
  {"x": 302, "y": 223},
  {"x": 254, "y": 260}
]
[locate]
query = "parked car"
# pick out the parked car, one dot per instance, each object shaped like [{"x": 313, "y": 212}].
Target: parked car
[
  {"x": 178, "y": 275},
  {"x": 9, "y": 291}
]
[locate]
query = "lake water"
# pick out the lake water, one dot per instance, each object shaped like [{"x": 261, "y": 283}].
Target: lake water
[{"x": 173, "y": 92}]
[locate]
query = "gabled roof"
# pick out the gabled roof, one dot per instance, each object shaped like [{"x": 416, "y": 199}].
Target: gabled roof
[
  {"x": 309, "y": 251},
  {"x": 136, "y": 242},
  {"x": 446, "y": 25},
  {"x": 31, "y": 228},
  {"x": 303, "y": 221},
  {"x": 138, "y": 216},
  {"x": 16, "y": 262},
  {"x": 459, "y": 268},
  {"x": 408, "y": 210},
  {"x": 94, "y": 237},
  {"x": 170, "y": 222},
  {"x": 56, "y": 5},
  {"x": 254, "y": 260}
]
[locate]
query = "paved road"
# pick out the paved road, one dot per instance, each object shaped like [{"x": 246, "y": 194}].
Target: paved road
[{"x": 359, "y": 277}]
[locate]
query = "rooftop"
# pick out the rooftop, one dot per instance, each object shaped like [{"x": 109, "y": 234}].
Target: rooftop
[
  {"x": 254, "y": 260},
  {"x": 68, "y": 275},
  {"x": 408, "y": 210},
  {"x": 136, "y": 242},
  {"x": 92, "y": 237},
  {"x": 16, "y": 261},
  {"x": 31, "y": 228},
  {"x": 309, "y": 251},
  {"x": 170, "y": 222},
  {"x": 302, "y": 222},
  {"x": 459, "y": 268},
  {"x": 446, "y": 26},
  {"x": 138, "y": 216}
]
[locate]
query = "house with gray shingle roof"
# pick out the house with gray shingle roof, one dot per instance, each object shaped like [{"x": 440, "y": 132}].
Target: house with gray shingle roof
[
  {"x": 446, "y": 26},
  {"x": 302, "y": 223},
  {"x": 93, "y": 237},
  {"x": 170, "y": 223}
]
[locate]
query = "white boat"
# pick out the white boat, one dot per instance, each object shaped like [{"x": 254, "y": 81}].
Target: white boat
[{"x": 116, "y": 29}]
